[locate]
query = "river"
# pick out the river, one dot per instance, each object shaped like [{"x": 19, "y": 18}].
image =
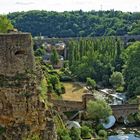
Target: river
[
  {"x": 121, "y": 132},
  {"x": 124, "y": 137}
]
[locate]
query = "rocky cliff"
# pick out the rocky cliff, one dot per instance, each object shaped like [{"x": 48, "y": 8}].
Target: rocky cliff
[{"x": 22, "y": 114}]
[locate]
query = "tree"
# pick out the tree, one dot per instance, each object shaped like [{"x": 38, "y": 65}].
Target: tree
[
  {"x": 54, "y": 57},
  {"x": 98, "y": 110},
  {"x": 5, "y": 24},
  {"x": 91, "y": 84},
  {"x": 95, "y": 58},
  {"x": 76, "y": 23},
  {"x": 117, "y": 80},
  {"x": 132, "y": 69}
]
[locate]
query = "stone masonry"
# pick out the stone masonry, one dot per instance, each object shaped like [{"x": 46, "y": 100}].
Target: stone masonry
[
  {"x": 22, "y": 114},
  {"x": 16, "y": 54}
]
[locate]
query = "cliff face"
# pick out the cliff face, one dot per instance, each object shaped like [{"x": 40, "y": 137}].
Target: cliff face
[{"x": 22, "y": 114}]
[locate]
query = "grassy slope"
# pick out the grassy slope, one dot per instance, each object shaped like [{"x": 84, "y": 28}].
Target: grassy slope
[{"x": 73, "y": 91}]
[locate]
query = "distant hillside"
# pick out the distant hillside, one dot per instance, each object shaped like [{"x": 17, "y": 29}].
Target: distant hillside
[{"x": 77, "y": 23}]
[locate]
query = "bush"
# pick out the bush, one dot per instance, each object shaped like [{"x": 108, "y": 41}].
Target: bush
[
  {"x": 58, "y": 89},
  {"x": 33, "y": 137},
  {"x": 102, "y": 133},
  {"x": 99, "y": 127},
  {"x": 66, "y": 64},
  {"x": 75, "y": 134},
  {"x": 91, "y": 84},
  {"x": 62, "y": 89},
  {"x": 85, "y": 132},
  {"x": 50, "y": 88},
  {"x": 117, "y": 80},
  {"x": 65, "y": 78},
  {"x": 63, "y": 134},
  {"x": 65, "y": 75}
]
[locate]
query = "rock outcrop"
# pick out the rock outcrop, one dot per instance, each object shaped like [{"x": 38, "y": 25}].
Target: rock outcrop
[{"x": 22, "y": 113}]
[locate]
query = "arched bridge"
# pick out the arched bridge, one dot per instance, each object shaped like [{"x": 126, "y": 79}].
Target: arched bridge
[
  {"x": 118, "y": 110},
  {"x": 124, "y": 110}
]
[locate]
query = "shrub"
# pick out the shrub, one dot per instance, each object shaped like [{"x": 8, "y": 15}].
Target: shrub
[
  {"x": 117, "y": 80},
  {"x": 65, "y": 78},
  {"x": 50, "y": 88},
  {"x": 62, "y": 89},
  {"x": 85, "y": 132},
  {"x": 102, "y": 133},
  {"x": 90, "y": 84},
  {"x": 99, "y": 126},
  {"x": 63, "y": 134},
  {"x": 75, "y": 134},
  {"x": 33, "y": 137},
  {"x": 58, "y": 89}
]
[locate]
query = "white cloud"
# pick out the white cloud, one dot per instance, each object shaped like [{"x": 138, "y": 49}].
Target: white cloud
[{"x": 24, "y": 3}]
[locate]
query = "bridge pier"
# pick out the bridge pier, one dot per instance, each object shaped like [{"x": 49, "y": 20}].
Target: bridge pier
[{"x": 86, "y": 98}]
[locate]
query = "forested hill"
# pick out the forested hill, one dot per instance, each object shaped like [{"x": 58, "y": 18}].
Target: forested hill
[{"x": 77, "y": 23}]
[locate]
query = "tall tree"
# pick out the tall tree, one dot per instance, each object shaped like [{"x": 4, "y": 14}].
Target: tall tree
[
  {"x": 132, "y": 69},
  {"x": 54, "y": 57}
]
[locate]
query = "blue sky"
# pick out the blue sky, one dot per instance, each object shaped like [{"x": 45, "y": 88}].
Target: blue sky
[{"x": 7, "y": 6}]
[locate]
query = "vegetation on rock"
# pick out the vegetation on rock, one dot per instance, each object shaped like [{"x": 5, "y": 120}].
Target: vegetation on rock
[{"x": 5, "y": 24}]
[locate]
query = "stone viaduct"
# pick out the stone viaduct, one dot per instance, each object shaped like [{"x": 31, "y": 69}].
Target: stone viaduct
[
  {"x": 118, "y": 110},
  {"x": 129, "y": 38},
  {"x": 125, "y": 38}
]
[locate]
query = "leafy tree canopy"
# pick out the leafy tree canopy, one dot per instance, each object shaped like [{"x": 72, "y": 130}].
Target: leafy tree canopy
[
  {"x": 91, "y": 84},
  {"x": 98, "y": 110},
  {"x": 76, "y": 23},
  {"x": 117, "y": 80},
  {"x": 132, "y": 69}
]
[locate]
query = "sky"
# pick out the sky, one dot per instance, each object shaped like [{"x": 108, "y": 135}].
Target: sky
[{"x": 8, "y": 6}]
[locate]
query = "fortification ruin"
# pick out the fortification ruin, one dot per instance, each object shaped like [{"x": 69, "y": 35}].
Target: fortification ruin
[
  {"x": 22, "y": 114},
  {"x": 16, "y": 54}
]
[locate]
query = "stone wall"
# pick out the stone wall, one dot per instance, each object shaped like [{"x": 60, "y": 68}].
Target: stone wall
[
  {"x": 64, "y": 105},
  {"x": 16, "y": 53},
  {"x": 22, "y": 114}
]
